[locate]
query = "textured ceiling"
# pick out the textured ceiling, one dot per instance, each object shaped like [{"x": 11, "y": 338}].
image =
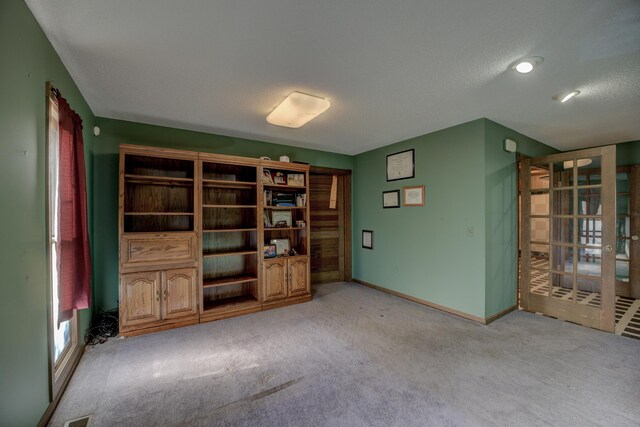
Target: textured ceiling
[{"x": 391, "y": 69}]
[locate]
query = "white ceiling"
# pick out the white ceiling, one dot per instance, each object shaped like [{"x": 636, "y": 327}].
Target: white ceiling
[{"x": 391, "y": 69}]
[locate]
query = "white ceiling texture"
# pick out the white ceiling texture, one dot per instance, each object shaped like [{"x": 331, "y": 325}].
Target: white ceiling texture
[{"x": 392, "y": 70}]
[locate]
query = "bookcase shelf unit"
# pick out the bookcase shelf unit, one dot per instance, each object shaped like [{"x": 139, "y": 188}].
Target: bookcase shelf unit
[{"x": 192, "y": 233}]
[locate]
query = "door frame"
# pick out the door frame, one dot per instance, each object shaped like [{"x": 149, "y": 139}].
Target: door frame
[
  {"x": 606, "y": 320},
  {"x": 344, "y": 208}
]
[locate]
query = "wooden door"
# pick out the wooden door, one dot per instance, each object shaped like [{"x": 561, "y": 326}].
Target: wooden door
[
  {"x": 179, "y": 293},
  {"x": 274, "y": 277},
  {"x": 569, "y": 236},
  {"x": 298, "y": 276},
  {"x": 140, "y": 298},
  {"x": 628, "y": 232},
  {"x": 330, "y": 226}
]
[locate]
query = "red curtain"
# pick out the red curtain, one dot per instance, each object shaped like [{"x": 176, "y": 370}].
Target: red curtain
[{"x": 74, "y": 285}]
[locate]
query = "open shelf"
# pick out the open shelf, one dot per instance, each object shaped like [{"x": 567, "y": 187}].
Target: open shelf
[
  {"x": 284, "y": 228},
  {"x": 285, "y": 186},
  {"x": 219, "y": 183},
  {"x": 242, "y": 301},
  {"x": 229, "y": 230},
  {"x": 231, "y": 206},
  {"x": 275, "y": 208},
  {"x": 236, "y": 253},
  {"x": 229, "y": 280},
  {"x": 157, "y": 180}
]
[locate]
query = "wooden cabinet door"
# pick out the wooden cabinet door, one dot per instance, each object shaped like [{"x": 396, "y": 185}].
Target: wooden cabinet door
[
  {"x": 274, "y": 276},
  {"x": 298, "y": 276},
  {"x": 179, "y": 293},
  {"x": 140, "y": 298}
]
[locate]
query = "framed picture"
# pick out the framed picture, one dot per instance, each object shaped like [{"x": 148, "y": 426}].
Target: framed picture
[
  {"x": 280, "y": 179},
  {"x": 367, "y": 239},
  {"x": 401, "y": 165},
  {"x": 269, "y": 251},
  {"x": 391, "y": 199},
  {"x": 282, "y": 245},
  {"x": 413, "y": 196},
  {"x": 266, "y": 177},
  {"x": 280, "y": 216},
  {"x": 295, "y": 179}
]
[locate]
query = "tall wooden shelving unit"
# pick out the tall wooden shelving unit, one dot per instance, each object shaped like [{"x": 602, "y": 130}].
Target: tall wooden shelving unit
[{"x": 192, "y": 233}]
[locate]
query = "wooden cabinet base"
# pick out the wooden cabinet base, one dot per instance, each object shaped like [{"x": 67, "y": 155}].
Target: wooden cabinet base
[
  {"x": 283, "y": 303},
  {"x": 161, "y": 326}
]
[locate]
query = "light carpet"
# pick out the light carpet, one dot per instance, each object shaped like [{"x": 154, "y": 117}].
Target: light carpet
[{"x": 355, "y": 356}]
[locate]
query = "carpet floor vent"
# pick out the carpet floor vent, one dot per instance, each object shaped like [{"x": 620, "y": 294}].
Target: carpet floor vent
[{"x": 79, "y": 422}]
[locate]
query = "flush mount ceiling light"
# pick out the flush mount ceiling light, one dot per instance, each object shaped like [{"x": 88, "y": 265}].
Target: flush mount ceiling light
[
  {"x": 297, "y": 109},
  {"x": 564, "y": 97},
  {"x": 581, "y": 162},
  {"x": 527, "y": 65}
]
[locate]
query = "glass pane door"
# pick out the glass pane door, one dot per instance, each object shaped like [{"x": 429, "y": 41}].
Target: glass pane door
[{"x": 568, "y": 233}]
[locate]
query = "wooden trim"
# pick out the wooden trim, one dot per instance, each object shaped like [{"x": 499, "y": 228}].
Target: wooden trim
[
  {"x": 424, "y": 302},
  {"x": 499, "y": 314},
  {"x": 634, "y": 245},
  {"x": 227, "y": 159},
  {"x": 329, "y": 171},
  {"x": 143, "y": 150},
  {"x": 285, "y": 302},
  {"x": 51, "y": 408}
]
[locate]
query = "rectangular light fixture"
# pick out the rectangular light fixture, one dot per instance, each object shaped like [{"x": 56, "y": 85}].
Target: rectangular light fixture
[{"x": 297, "y": 109}]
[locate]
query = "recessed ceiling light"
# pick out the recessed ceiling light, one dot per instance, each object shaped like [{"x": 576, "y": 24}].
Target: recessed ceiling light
[
  {"x": 526, "y": 65},
  {"x": 564, "y": 97},
  {"x": 297, "y": 109}
]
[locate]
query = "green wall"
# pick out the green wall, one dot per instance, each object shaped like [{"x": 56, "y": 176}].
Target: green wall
[
  {"x": 628, "y": 153},
  {"x": 105, "y": 186},
  {"x": 419, "y": 250},
  {"x": 467, "y": 221},
  {"x": 28, "y": 61},
  {"x": 501, "y": 209}
]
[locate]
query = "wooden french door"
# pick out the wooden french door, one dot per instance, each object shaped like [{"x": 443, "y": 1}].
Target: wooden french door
[{"x": 569, "y": 235}]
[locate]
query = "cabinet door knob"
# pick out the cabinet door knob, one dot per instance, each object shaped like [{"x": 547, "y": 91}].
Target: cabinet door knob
[{"x": 158, "y": 295}]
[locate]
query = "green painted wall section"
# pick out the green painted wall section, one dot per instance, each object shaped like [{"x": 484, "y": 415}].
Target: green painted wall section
[
  {"x": 419, "y": 250},
  {"x": 105, "y": 194},
  {"x": 628, "y": 153},
  {"x": 501, "y": 209},
  {"x": 28, "y": 61}
]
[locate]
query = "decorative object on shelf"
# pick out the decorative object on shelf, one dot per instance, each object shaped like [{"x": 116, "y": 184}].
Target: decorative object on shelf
[
  {"x": 282, "y": 216},
  {"x": 301, "y": 200},
  {"x": 268, "y": 197},
  {"x": 367, "y": 239},
  {"x": 282, "y": 246},
  {"x": 295, "y": 179},
  {"x": 280, "y": 179},
  {"x": 280, "y": 224},
  {"x": 391, "y": 199},
  {"x": 413, "y": 195},
  {"x": 266, "y": 177},
  {"x": 269, "y": 251},
  {"x": 267, "y": 223},
  {"x": 401, "y": 165},
  {"x": 284, "y": 159},
  {"x": 301, "y": 224},
  {"x": 293, "y": 252},
  {"x": 265, "y": 158}
]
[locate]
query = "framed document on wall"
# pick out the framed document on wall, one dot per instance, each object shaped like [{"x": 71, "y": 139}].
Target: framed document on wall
[
  {"x": 401, "y": 165},
  {"x": 391, "y": 199},
  {"x": 413, "y": 196}
]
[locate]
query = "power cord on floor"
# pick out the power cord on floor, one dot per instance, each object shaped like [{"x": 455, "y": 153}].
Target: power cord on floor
[{"x": 104, "y": 325}]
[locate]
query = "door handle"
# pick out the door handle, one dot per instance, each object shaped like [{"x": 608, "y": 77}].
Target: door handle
[
  {"x": 608, "y": 248},
  {"x": 634, "y": 238},
  {"x": 158, "y": 295},
  {"x": 165, "y": 294}
]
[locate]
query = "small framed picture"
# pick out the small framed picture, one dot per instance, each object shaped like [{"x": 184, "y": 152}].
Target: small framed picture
[
  {"x": 413, "y": 196},
  {"x": 282, "y": 246},
  {"x": 295, "y": 179},
  {"x": 282, "y": 216},
  {"x": 401, "y": 165},
  {"x": 269, "y": 251},
  {"x": 391, "y": 199},
  {"x": 280, "y": 179},
  {"x": 301, "y": 224},
  {"x": 266, "y": 177},
  {"x": 367, "y": 239}
]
